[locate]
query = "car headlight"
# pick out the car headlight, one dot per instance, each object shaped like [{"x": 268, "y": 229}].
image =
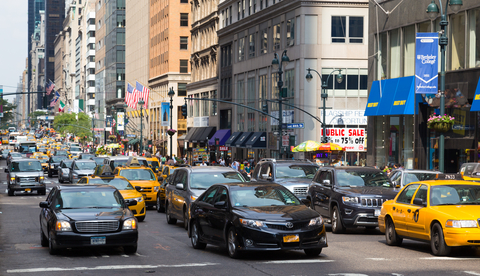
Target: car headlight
[
  {"x": 461, "y": 223},
  {"x": 156, "y": 188},
  {"x": 75, "y": 176},
  {"x": 63, "y": 226},
  {"x": 349, "y": 199},
  {"x": 52, "y": 166},
  {"x": 41, "y": 179},
  {"x": 139, "y": 199},
  {"x": 130, "y": 224},
  {"x": 12, "y": 179},
  {"x": 252, "y": 223},
  {"x": 316, "y": 221}
]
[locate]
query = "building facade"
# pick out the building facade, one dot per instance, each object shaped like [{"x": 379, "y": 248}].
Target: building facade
[
  {"x": 36, "y": 64},
  {"x": 34, "y": 21}
]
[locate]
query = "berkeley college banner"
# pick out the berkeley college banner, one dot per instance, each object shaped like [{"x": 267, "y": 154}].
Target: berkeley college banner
[{"x": 426, "y": 63}]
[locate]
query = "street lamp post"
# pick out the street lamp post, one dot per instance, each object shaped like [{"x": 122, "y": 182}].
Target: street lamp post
[
  {"x": 141, "y": 103},
  {"x": 171, "y": 93},
  {"x": 324, "y": 94},
  {"x": 432, "y": 11},
  {"x": 281, "y": 92}
]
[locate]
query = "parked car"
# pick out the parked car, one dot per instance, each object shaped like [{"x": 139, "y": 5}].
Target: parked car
[
  {"x": 401, "y": 178},
  {"x": 81, "y": 168},
  {"x": 255, "y": 217},
  {"x": 349, "y": 197},
  {"x": 25, "y": 175},
  {"x": 64, "y": 170}
]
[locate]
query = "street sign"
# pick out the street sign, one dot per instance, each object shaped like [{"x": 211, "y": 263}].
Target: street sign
[
  {"x": 285, "y": 140},
  {"x": 296, "y": 125},
  {"x": 131, "y": 135}
]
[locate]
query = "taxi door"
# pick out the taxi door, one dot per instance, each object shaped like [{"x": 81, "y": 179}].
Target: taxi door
[
  {"x": 415, "y": 218},
  {"x": 178, "y": 195},
  {"x": 400, "y": 208}
]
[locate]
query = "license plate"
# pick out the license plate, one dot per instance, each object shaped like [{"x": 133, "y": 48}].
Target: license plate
[
  {"x": 291, "y": 238},
  {"x": 98, "y": 240},
  {"x": 377, "y": 212},
  {"x": 28, "y": 190}
]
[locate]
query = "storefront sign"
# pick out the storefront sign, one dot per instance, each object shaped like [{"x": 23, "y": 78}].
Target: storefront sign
[
  {"x": 426, "y": 63},
  {"x": 351, "y": 139},
  {"x": 223, "y": 148},
  {"x": 201, "y": 121},
  {"x": 344, "y": 117}
]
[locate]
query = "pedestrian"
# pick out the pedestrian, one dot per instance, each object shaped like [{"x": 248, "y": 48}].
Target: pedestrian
[
  {"x": 164, "y": 160},
  {"x": 203, "y": 163},
  {"x": 247, "y": 169}
]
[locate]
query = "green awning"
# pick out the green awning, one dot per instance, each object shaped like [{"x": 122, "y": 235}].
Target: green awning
[{"x": 133, "y": 141}]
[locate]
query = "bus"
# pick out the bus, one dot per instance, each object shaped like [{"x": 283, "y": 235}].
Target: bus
[
  {"x": 27, "y": 147},
  {"x": 12, "y": 139}
]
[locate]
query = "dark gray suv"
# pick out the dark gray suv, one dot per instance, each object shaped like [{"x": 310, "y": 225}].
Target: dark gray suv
[{"x": 25, "y": 175}]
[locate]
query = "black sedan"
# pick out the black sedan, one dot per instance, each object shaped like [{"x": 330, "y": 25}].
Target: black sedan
[
  {"x": 260, "y": 216},
  {"x": 87, "y": 216},
  {"x": 54, "y": 163}
]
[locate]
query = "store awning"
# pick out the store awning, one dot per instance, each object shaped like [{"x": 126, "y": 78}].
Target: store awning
[
  {"x": 240, "y": 143},
  {"x": 133, "y": 141},
  {"x": 222, "y": 135},
  {"x": 233, "y": 138},
  {"x": 476, "y": 98},
  {"x": 190, "y": 133},
  {"x": 257, "y": 141},
  {"x": 203, "y": 134}
]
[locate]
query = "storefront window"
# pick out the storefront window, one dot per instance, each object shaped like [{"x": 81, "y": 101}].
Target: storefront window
[
  {"x": 379, "y": 141},
  {"x": 409, "y": 51},
  {"x": 424, "y": 27},
  {"x": 395, "y": 53},
  {"x": 457, "y": 47},
  {"x": 382, "y": 57},
  {"x": 407, "y": 143},
  {"x": 474, "y": 38}
]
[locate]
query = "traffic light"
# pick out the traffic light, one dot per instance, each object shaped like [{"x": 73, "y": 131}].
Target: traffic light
[
  {"x": 283, "y": 92},
  {"x": 184, "y": 110},
  {"x": 265, "y": 108}
]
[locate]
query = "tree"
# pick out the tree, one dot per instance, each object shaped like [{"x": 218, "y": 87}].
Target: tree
[
  {"x": 77, "y": 124},
  {"x": 9, "y": 111}
]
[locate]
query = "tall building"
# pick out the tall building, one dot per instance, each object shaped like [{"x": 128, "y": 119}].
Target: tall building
[
  {"x": 37, "y": 63},
  {"x": 88, "y": 55},
  {"x": 34, "y": 20}
]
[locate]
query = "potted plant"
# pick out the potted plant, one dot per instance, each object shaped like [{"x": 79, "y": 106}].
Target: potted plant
[
  {"x": 171, "y": 132},
  {"x": 440, "y": 123}
]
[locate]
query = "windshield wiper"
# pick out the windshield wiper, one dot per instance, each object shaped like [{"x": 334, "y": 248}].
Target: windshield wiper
[{"x": 469, "y": 203}]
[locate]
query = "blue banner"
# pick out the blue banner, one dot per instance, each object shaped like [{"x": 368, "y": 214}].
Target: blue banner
[
  {"x": 426, "y": 63},
  {"x": 165, "y": 114}
]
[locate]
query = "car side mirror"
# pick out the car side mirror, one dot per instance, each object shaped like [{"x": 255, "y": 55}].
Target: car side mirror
[
  {"x": 419, "y": 202},
  {"x": 43, "y": 204},
  {"x": 179, "y": 186},
  {"x": 220, "y": 205},
  {"x": 327, "y": 183},
  {"x": 396, "y": 184},
  {"x": 6, "y": 170},
  {"x": 306, "y": 202},
  {"x": 138, "y": 188},
  {"x": 131, "y": 202}
]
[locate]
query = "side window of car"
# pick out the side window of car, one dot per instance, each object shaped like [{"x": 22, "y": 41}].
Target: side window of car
[
  {"x": 396, "y": 177},
  {"x": 115, "y": 172},
  {"x": 179, "y": 176},
  {"x": 264, "y": 169},
  {"x": 328, "y": 176},
  {"x": 407, "y": 194},
  {"x": 221, "y": 195},
  {"x": 422, "y": 193},
  {"x": 210, "y": 195},
  {"x": 50, "y": 195}
]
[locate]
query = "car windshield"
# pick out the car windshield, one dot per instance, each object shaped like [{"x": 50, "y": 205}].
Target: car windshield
[
  {"x": 16, "y": 154},
  {"x": 42, "y": 158},
  {"x": 88, "y": 156},
  {"x": 351, "y": 178},
  {"x": 295, "y": 171},
  {"x": 61, "y": 152},
  {"x": 75, "y": 149},
  {"x": 455, "y": 195},
  {"x": 98, "y": 160},
  {"x": 57, "y": 159},
  {"x": 204, "y": 180},
  {"x": 153, "y": 164},
  {"x": 257, "y": 196},
  {"x": 93, "y": 198},
  {"x": 68, "y": 163},
  {"x": 120, "y": 184},
  {"x": 418, "y": 176},
  {"x": 85, "y": 165},
  {"x": 140, "y": 174},
  {"x": 26, "y": 166}
]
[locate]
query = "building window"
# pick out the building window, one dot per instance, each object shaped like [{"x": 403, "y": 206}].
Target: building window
[
  {"x": 254, "y": 6},
  {"x": 274, "y": 90},
  {"x": 120, "y": 4},
  {"x": 251, "y": 122},
  {"x": 196, "y": 107},
  {"x": 204, "y": 104},
  {"x": 239, "y": 4},
  {"x": 276, "y": 37},
  {"x": 340, "y": 29},
  {"x": 263, "y": 41},
  {"x": 213, "y": 105},
  {"x": 457, "y": 47},
  {"x": 473, "y": 33},
  {"x": 354, "y": 83},
  {"x": 184, "y": 66},
  {"x": 261, "y": 4},
  {"x": 243, "y": 8},
  {"x": 290, "y": 32},
  {"x": 241, "y": 49},
  {"x": 251, "y": 45},
  {"x": 120, "y": 55},
  {"x": 120, "y": 38},
  {"x": 240, "y": 96},
  {"x": 230, "y": 8},
  {"x": 262, "y": 91},
  {"x": 120, "y": 74},
  {"x": 121, "y": 20},
  {"x": 184, "y": 43},
  {"x": 184, "y": 19},
  {"x": 184, "y": 1},
  {"x": 121, "y": 91},
  {"x": 250, "y": 7},
  {"x": 182, "y": 89}
]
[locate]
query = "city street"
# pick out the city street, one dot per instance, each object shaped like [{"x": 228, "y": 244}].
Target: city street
[{"x": 166, "y": 249}]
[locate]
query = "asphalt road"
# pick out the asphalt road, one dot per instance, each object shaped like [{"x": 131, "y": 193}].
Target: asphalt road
[{"x": 166, "y": 249}]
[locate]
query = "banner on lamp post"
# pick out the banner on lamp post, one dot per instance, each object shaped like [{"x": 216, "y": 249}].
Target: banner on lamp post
[
  {"x": 165, "y": 114},
  {"x": 120, "y": 121},
  {"x": 108, "y": 123},
  {"x": 426, "y": 63}
]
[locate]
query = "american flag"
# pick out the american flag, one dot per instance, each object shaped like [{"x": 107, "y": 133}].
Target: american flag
[
  {"x": 131, "y": 98},
  {"x": 54, "y": 101},
  {"x": 49, "y": 87},
  {"x": 144, "y": 93}
]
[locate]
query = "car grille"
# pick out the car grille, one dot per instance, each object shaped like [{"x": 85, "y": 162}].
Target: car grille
[
  {"x": 296, "y": 226},
  {"x": 300, "y": 191},
  {"x": 373, "y": 202},
  {"x": 97, "y": 226},
  {"x": 27, "y": 179},
  {"x": 147, "y": 189}
]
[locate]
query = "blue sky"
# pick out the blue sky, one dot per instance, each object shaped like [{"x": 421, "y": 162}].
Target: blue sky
[{"x": 13, "y": 48}]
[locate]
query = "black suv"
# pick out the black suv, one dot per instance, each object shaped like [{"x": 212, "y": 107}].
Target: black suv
[
  {"x": 348, "y": 197},
  {"x": 295, "y": 175}
]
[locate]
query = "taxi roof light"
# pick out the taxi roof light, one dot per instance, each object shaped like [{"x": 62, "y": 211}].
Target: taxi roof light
[{"x": 132, "y": 162}]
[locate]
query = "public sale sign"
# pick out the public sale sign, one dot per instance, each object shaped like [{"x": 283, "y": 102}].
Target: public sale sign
[{"x": 351, "y": 139}]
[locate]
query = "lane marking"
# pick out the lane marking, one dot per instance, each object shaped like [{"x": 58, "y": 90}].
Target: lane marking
[
  {"x": 125, "y": 256},
  {"x": 348, "y": 274},
  {"x": 377, "y": 259},
  {"x": 449, "y": 259},
  {"x": 106, "y": 267},
  {"x": 297, "y": 261},
  {"x": 105, "y": 256},
  {"x": 472, "y": 273}
]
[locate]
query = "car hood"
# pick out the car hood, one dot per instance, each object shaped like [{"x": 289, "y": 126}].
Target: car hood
[
  {"x": 84, "y": 172},
  {"x": 457, "y": 211},
  {"x": 285, "y": 181},
  {"x": 91, "y": 214},
  {"x": 128, "y": 194},
  {"x": 144, "y": 183},
  {"x": 383, "y": 191},
  {"x": 26, "y": 174},
  {"x": 276, "y": 213}
]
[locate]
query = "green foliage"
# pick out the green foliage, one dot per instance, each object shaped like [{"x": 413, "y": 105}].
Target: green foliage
[
  {"x": 68, "y": 123},
  {"x": 9, "y": 111}
]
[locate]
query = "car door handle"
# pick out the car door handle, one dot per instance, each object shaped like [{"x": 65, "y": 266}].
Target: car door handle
[{"x": 408, "y": 210}]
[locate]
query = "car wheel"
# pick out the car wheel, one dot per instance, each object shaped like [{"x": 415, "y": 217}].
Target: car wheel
[
  {"x": 170, "y": 220},
  {"x": 232, "y": 245},
  {"x": 140, "y": 219},
  {"x": 437, "y": 241},
  {"x": 185, "y": 219},
  {"x": 52, "y": 249},
  {"x": 160, "y": 208},
  {"x": 43, "y": 239},
  {"x": 391, "y": 235},
  {"x": 313, "y": 252},
  {"x": 10, "y": 192},
  {"x": 337, "y": 226},
  {"x": 195, "y": 237},
  {"x": 130, "y": 249}
]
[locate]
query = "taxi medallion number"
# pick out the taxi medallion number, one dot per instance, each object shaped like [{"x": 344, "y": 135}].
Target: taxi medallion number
[
  {"x": 98, "y": 240},
  {"x": 291, "y": 238}
]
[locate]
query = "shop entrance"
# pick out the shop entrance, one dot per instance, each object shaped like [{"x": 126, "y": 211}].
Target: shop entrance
[{"x": 451, "y": 160}]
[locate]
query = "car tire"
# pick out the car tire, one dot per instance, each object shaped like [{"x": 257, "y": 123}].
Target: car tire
[
  {"x": 195, "y": 237},
  {"x": 391, "y": 236},
  {"x": 437, "y": 241},
  {"x": 337, "y": 226},
  {"x": 185, "y": 218},
  {"x": 130, "y": 249},
  {"x": 52, "y": 249},
  {"x": 170, "y": 220},
  {"x": 232, "y": 244},
  {"x": 43, "y": 239},
  {"x": 313, "y": 252},
  {"x": 160, "y": 208},
  {"x": 140, "y": 219},
  {"x": 10, "y": 192}
]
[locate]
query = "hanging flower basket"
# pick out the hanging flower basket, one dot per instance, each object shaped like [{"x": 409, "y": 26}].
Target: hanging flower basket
[
  {"x": 171, "y": 132},
  {"x": 440, "y": 123},
  {"x": 442, "y": 127}
]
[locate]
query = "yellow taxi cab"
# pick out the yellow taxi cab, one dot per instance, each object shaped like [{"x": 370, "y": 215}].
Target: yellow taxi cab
[
  {"x": 444, "y": 213},
  {"x": 154, "y": 165},
  {"x": 103, "y": 175},
  {"x": 168, "y": 170},
  {"x": 470, "y": 171},
  {"x": 4, "y": 140},
  {"x": 36, "y": 154},
  {"x": 43, "y": 158},
  {"x": 141, "y": 176}
]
